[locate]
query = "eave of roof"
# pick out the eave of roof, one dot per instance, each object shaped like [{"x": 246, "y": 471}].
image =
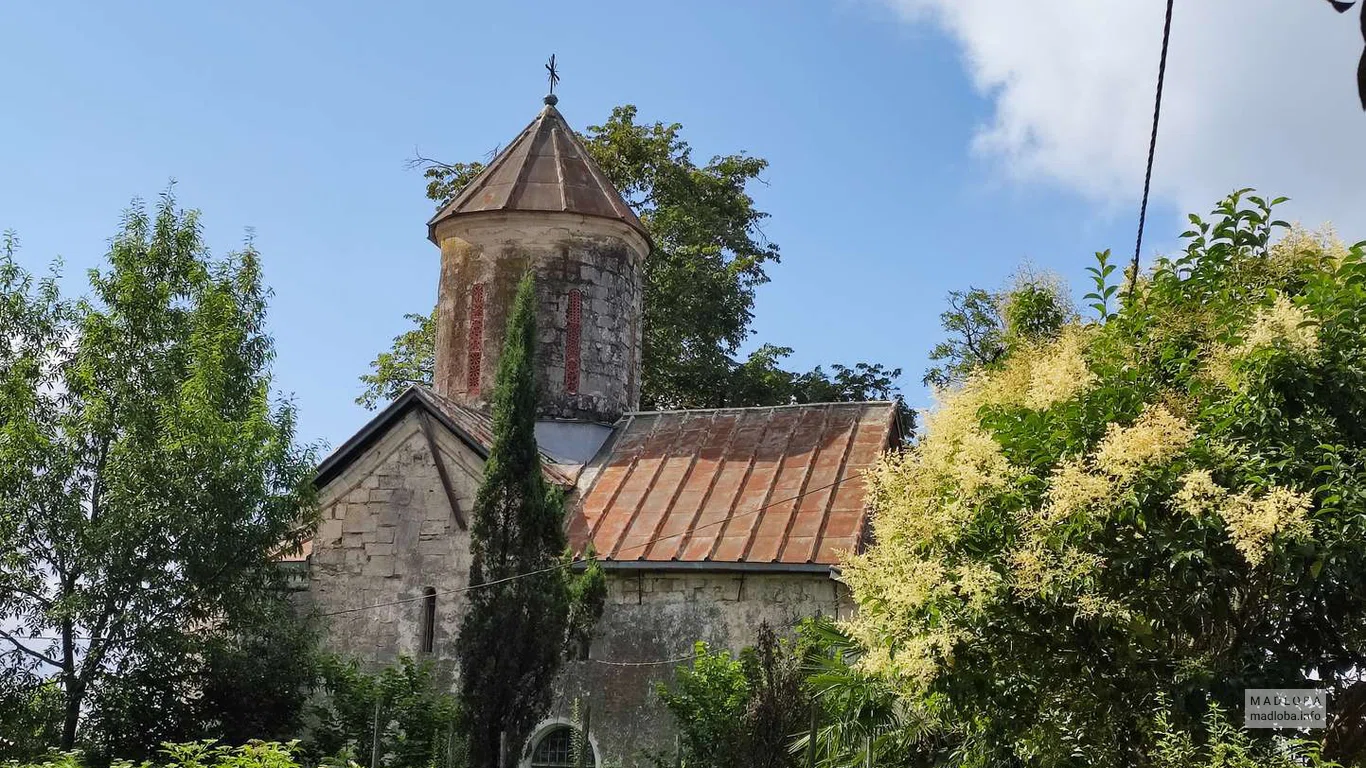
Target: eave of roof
[{"x": 445, "y": 414}]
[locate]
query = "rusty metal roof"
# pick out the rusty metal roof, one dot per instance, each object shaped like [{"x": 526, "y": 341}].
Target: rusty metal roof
[
  {"x": 738, "y": 485},
  {"x": 544, "y": 169}
]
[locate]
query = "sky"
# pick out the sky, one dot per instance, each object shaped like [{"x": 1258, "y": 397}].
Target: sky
[{"x": 916, "y": 146}]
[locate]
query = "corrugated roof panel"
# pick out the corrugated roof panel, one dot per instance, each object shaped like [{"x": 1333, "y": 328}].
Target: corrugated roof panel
[{"x": 761, "y": 485}]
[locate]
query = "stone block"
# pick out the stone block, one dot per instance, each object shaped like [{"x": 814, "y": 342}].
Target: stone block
[
  {"x": 388, "y": 516},
  {"x": 378, "y": 548},
  {"x": 378, "y": 565},
  {"x": 353, "y": 559},
  {"x": 330, "y": 532},
  {"x": 441, "y": 546}
]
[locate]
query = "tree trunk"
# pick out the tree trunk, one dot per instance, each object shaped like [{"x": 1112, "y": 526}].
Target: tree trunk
[
  {"x": 75, "y": 687},
  {"x": 75, "y": 691}
]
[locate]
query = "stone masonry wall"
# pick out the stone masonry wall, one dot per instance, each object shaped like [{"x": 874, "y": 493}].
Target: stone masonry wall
[
  {"x": 658, "y": 615},
  {"x": 599, "y": 259},
  {"x": 387, "y": 533}
]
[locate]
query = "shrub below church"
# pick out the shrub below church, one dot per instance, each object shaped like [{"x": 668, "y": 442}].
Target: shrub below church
[
  {"x": 405, "y": 705},
  {"x": 744, "y": 710}
]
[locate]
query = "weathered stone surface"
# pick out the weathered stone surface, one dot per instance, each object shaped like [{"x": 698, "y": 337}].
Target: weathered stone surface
[
  {"x": 656, "y": 616},
  {"x": 373, "y": 552},
  {"x": 599, "y": 258},
  {"x": 388, "y": 534}
]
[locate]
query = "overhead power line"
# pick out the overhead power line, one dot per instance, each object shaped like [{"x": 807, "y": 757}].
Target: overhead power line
[
  {"x": 661, "y": 662},
  {"x": 1152, "y": 148}
]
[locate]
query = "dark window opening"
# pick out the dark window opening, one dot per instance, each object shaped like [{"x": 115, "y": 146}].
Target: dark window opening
[{"x": 428, "y": 619}]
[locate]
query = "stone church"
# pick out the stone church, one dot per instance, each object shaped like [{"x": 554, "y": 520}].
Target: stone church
[{"x": 707, "y": 522}]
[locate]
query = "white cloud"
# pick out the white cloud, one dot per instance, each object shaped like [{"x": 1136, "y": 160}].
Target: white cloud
[{"x": 1259, "y": 93}]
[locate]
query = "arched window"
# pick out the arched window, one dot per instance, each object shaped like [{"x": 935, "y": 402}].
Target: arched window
[
  {"x": 428, "y": 619},
  {"x": 556, "y": 750}
]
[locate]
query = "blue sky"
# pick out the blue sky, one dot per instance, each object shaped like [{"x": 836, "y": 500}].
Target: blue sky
[{"x": 886, "y": 187}]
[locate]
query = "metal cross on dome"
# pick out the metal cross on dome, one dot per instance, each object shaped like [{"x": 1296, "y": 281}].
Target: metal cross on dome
[{"x": 553, "y": 74}]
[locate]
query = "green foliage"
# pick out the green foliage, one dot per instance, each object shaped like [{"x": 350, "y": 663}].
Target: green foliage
[
  {"x": 860, "y": 713},
  {"x": 1104, "y": 289},
  {"x": 196, "y": 754},
  {"x": 710, "y": 255},
  {"x": 514, "y": 634},
  {"x": 30, "y": 712},
  {"x": 417, "y": 717},
  {"x": 1224, "y": 746},
  {"x": 976, "y": 337},
  {"x": 147, "y": 477},
  {"x": 984, "y": 326},
  {"x": 740, "y": 711},
  {"x": 760, "y": 381},
  {"x": 707, "y": 702},
  {"x": 1165, "y": 505},
  {"x": 235, "y": 682},
  {"x": 412, "y": 360}
]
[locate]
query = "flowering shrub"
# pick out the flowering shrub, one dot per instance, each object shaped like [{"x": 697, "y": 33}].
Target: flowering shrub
[{"x": 1166, "y": 503}]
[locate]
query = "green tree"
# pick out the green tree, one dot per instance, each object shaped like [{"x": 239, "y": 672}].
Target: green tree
[
  {"x": 744, "y": 711},
  {"x": 30, "y": 711},
  {"x": 983, "y": 325},
  {"x": 710, "y": 255},
  {"x": 520, "y": 619},
  {"x": 976, "y": 337},
  {"x": 147, "y": 478},
  {"x": 1164, "y": 505},
  {"x": 861, "y": 717},
  {"x": 411, "y": 360},
  {"x": 707, "y": 702},
  {"x": 402, "y": 712}
]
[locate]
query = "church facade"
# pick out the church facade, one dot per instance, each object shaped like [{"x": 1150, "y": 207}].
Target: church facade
[{"x": 707, "y": 522}]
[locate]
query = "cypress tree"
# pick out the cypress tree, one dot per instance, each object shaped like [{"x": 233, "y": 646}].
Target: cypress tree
[{"x": 513, "y": 636}]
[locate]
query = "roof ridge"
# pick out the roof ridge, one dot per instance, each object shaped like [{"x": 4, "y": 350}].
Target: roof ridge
[{"x": 758, "y": 407}]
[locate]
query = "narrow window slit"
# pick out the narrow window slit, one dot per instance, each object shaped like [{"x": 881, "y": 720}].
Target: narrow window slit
[
  {"x": 572, "y": 342},
  {"x": 428, "y": 619},
  {"x": 475, "y": 348}
]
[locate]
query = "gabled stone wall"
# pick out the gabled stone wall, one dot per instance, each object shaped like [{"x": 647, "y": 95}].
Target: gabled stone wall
[{"x": 387, "y": 533}]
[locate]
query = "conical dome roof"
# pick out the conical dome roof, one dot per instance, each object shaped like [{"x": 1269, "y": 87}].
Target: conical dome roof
[{"x": 544, "y": 169}]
